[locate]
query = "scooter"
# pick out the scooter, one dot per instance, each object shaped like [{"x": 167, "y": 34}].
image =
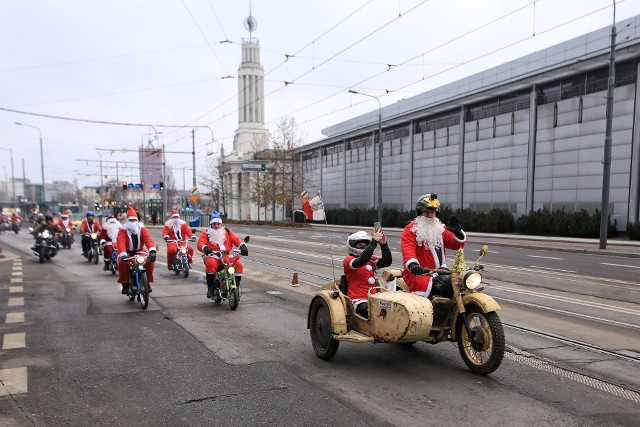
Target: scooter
[{"x": 468, "y": 318}]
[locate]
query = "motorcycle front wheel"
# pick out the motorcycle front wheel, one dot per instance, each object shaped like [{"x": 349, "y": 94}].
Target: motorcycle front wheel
[
  {"x": 42, "y": 254},
  {"x": 485, "y": 355},
  {"x": 96, "y": 257},
  {"x": 234, "y": 298},
  {"x": 185, "y": 270},
  {"x": 144, "y": 291},
  {"x": 320, "y": 329}
]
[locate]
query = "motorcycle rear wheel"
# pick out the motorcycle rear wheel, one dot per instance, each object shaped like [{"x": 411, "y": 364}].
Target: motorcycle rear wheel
[
  {"x": 234, "y": 299},
  {"x": 185, "y": 270},
  {"x": 176, "y": 269},
  {"x": 42, "y": 254},
  {"x": 144, "y": 291},
  {"x": 320, "y": 330},
  {"x": 485, "y": 358}
]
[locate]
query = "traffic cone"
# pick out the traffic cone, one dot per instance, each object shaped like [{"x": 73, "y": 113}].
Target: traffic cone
[{"x": 294, "y": 281}]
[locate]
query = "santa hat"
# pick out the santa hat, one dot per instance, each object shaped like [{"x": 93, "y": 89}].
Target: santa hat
[
  {"x": 67, "y": 212},
  {"x": 175, "y": 214},
  {"x": 111, "y": 220},
  {"x": 215, "y": 218},
  {"x": 131, "y": 213}
]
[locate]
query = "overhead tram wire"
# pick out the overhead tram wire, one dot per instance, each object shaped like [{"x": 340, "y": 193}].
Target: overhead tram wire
[{"x": 204, "y": 37}]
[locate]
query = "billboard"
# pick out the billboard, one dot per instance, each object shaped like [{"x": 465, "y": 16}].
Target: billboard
[{"x": 150, "y": 165}]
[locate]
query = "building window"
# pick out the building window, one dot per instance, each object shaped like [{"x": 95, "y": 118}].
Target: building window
[
  {"x": 555, "y": 114},
  {"x": 447, "y": 137},
  {"x": 494, "y": 126},
  {"x": 580, "y": 106},
  {"x": 513, "y": 123},
  {"x": 477, "y": 130}
]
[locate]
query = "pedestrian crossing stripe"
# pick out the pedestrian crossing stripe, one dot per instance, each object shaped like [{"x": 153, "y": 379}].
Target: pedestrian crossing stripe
[
  {"x": 13, "y": 381},
  {"x": 16, "y": 301},
  {"x": 16, "y": 340},
  {"x": 17, "y": 317}
]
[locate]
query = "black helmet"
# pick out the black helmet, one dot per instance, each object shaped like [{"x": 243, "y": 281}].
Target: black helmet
[
  {"x": 428, "y": 201},
  {"x": 48, "y": 218}
]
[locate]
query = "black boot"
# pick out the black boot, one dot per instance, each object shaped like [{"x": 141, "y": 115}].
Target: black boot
[
  {"x": 125, "y": 288},
  {"x": 238, "y": 278},
  {"x": 106, "y": 266},
  {"x": 210, "y": 284}
]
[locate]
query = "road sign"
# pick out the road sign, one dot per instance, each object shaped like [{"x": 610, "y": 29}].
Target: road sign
[
  {"x": 155, "y": 185},
  {"x": 254, "y": 167},
  {"x": 194, "y": 190},
  {"x": 130, "y": 185}
]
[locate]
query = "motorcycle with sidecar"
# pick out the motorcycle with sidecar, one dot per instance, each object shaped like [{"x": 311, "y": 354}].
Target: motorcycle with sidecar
[{"x": 469, "y": 317}]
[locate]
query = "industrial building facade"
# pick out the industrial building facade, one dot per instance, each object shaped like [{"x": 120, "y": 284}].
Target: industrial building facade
[{"x": 525, "y": 135}]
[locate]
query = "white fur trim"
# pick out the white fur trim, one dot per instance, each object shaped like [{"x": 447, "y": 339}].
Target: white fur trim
[
  {"x": 152, "y": 249},
  {"x": 464, "y": 239},
  {"x": 412, "y": 260},
  {"x": 121, "y": 254}
]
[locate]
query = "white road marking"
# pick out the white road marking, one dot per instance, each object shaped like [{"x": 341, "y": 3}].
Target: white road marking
[
  {"x": 17, "y": 267},
  {"x": 553, "y": 269},
  {"x": 15, "y": 289},
  {"x": 546, "y": 257},
  {"x": 17, "y": 317},
  {"x": 16, "y": 280},
  {"x": 13, "y": 381},
  {"x": 16, "y": 301},
  {"x": 620, "y": 265},
  {"x": 11, "y": 341},
  {"x": 16, "y": 273}
]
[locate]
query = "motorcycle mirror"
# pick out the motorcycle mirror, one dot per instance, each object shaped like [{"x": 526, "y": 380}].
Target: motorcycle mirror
[
  {"x": 246, "y": 239},
  {"x": 193, "y": 230},
  {"x": 483, "y": 250}
]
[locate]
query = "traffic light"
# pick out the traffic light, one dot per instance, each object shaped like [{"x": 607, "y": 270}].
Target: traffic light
[
  {"x": 97, "y": 205},
  {"x": 124, "y": 186},
  {"x": 161, "y": 185}
]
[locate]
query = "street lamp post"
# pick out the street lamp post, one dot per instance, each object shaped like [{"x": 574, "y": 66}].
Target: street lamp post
[
  {"x": 13, "y": 178},
  {"x": 44, "y": 199},
  {"x": 379, "y": 141}
]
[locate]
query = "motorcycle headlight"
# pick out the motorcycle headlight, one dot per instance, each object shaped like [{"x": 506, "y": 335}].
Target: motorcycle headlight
[
  {"x": 45, "y": 234},
  {"x": 472, "y": 279},
  {"x": 183, "y": 250},
  {"x": 68, "y": 229},
  {"x": 140, "y": 259},
  {"x": 232, "y": 270},
  {"x": 94, "y": 236}
]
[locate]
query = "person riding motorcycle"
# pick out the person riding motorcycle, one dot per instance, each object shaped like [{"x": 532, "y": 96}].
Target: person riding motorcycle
[
  {"x": 108, "y": 238},
  {"x": 53, "y": 229},
  {"x": 423, "y": 245},
  {"x": 360, "y": 266},
  {"x": 214, "y": 239},
  {"x": 133, "y": 237},
  {"x": 87, "y": 227},
  {"x": 176, "y": 229},
  {"x": 66, "y": 221}
]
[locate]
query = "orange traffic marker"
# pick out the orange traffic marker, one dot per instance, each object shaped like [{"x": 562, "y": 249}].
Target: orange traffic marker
[{"x": 294, "y": 281}]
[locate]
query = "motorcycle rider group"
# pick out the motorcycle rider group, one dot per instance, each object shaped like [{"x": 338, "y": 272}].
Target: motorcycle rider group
[{"x": 424, "y": 242}]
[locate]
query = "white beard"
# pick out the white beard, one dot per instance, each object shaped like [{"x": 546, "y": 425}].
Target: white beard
[
  {"x": 112, "y": 230},
  {"x": 173, "y": 223},
  {"x": 217, "y": 237},
  {"x": 428, "y": 232},
  {"x": 132, "y": 227},
  {"x": 65, "y": 222}
]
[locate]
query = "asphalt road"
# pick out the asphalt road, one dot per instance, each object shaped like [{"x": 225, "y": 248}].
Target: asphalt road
[{"x": 93, "y": 357}]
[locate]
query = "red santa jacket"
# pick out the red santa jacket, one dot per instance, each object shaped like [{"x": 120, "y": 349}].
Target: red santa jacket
[
  {"x": 360, "y": 279},
  {"x": 426, "y": 255},
  {"x": 69, "y": 223},
  {"x": 184, "y": 230},
  {"x": 85, "y": 228},
  {"x": 124, "y": 244},
  {"x": 230, "y": 240}
]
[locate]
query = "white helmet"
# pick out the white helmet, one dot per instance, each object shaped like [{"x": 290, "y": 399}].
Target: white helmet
[{"x": 353, "y": 239}]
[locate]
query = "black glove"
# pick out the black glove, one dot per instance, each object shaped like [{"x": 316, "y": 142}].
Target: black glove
[
  {"x": 152, "y": 256},
  {"x": 244, "y": 251},
  {"x": 166, "y": 238},
  {"x": 418, "y": 270},
  {"x": 455, "y": 227},
  {"x": 207, "y": 250}
]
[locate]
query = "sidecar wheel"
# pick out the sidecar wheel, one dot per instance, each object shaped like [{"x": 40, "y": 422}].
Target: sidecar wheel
[
  {"x": 486, "y": 356},
  {"x": 185, "y": 270},
  {"x": 42, "y": 255},
  {"x": 320, "y": 330}
]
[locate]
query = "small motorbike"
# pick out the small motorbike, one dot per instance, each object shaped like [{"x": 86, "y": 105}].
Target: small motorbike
[
  {"x": 181, "y": 260},
  {"x": 468, "y": 317},
  {"x": 225, "y": 279},
  {"x": 138, "y": 281},
  {"x": 93, "y": 254},
  {"x": 44, "y": 248},
  {"x": 66, "y": 239},
  {"x": 15, "y": 226},
  {"x": 113, "y": 262}
]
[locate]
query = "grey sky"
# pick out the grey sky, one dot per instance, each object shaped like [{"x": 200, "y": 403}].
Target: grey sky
[{"x": 162, "y": 62}]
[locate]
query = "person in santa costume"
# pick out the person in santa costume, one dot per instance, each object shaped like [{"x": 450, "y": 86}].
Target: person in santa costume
[
  {"x": 88, "y": 226},
  {"x": 423, "y": 244},
  {"x": 65, "y": 221},
  {"x": 108, "y": 237},
  {"x": 176, "y": 229},
  {"x": 132, "y": 238},
  {"x": 213, "y": 240},
  {"x": 361, "y": 265}
]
